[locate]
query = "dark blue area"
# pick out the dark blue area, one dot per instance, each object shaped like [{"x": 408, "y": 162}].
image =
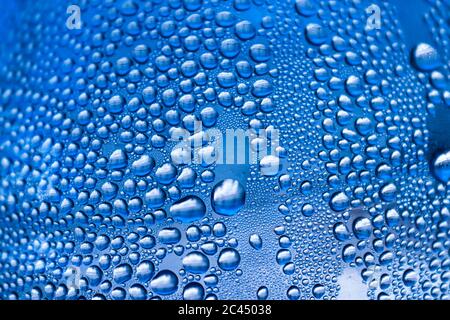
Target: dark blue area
[{"x": 410, "y": 15}]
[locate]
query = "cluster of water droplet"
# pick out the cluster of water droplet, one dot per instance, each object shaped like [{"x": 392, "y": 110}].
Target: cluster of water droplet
[{"x": 97, "y": 202}]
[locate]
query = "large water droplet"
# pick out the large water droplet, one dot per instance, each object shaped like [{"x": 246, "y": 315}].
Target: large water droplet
[
  {"x": 122, "y": 273},
  {"x": 441, "y": 166},
  {"x": 188, "y": 209},
  {"x": 196, "y": 262},
  {"x": 228, "y": 197},
  {"x": 164, "y": 283},
  {"x": 425, "y": 57},
  {"x": 229, "y": 259},
  {"x": 339, "y": 201}
]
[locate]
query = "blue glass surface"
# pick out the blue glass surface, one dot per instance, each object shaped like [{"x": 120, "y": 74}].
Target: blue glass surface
[{"x": 236, "y": 149}]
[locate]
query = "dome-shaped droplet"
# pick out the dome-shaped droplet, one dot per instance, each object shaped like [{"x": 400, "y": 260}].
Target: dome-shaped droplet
[
  {"x": 196, "y": 262},
  {"x": 441, "y": 167},
  {"x": 145, "y": 270},
  {"x": 306, "y": 8},
  {"x": 229, "y": 259},
  {"x": 164, "y": 283},
  {"x": 425, "y": 57},
  {"x": 228, "y": 197},
  {"x": 316, "y": 33},
  {"x": 362, "y": 228},
  {"x": 339, "y": 201},
  {"x": 143, "y": 165},
  {"x": 193, "y": 291},
  {"x": 122, "y": 273},
  {"x": 188, "y": 209}
]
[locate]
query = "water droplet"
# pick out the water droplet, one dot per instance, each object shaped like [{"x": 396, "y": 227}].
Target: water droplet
[
  {"x": 188, "y": 209},
  {"x": 164, "y": 283},
  {"x": 228, "y": 197},
  {"x": 229, "y": 259},
  {"x": 441, "y": 166},
  {"x": 196, "y": 262},
  {"x": 122, "y": 273},
  {"x": 425, "y": 57}
]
